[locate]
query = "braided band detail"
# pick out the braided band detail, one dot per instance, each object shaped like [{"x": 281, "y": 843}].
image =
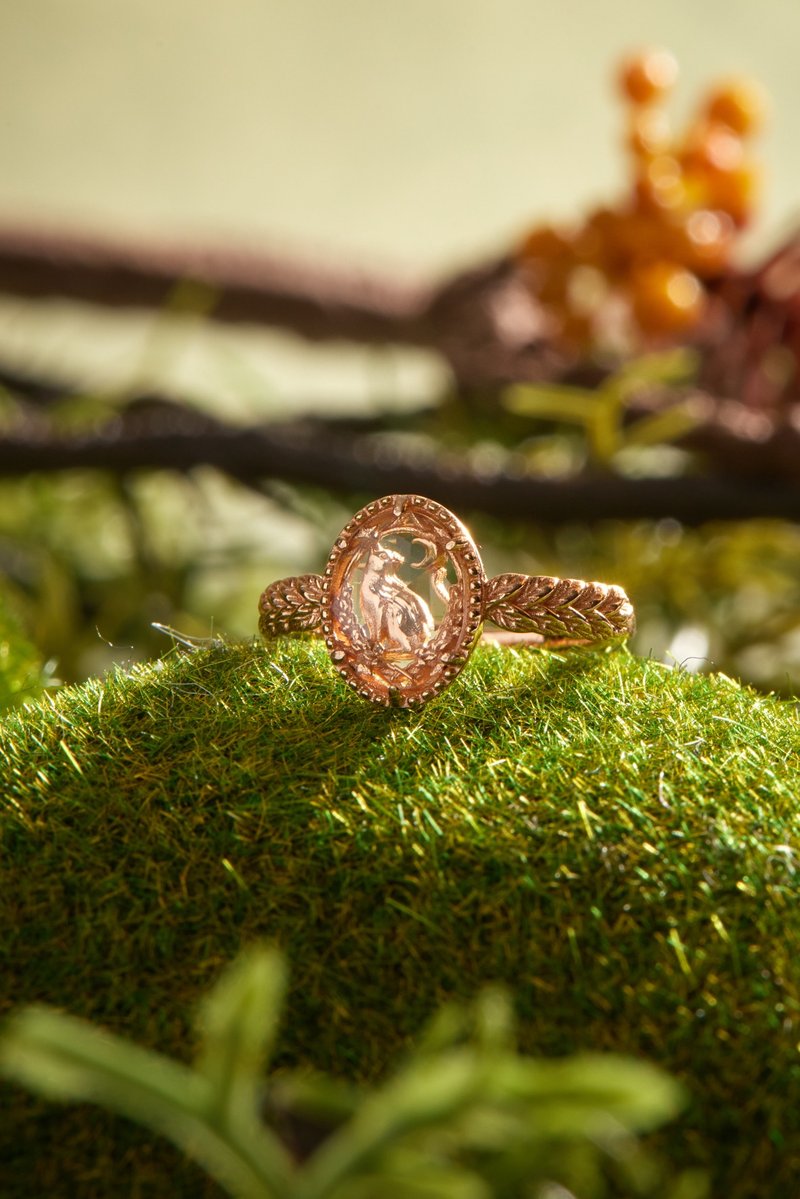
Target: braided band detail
[
  {"x": 561, "y": 611},
  {"x": 291, "y": 606}
]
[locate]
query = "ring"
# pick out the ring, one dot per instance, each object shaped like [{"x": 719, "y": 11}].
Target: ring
[{"x": 404, "y": 598}]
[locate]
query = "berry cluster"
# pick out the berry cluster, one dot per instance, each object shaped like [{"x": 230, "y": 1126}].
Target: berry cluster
[{"x": 637, "y": 272}]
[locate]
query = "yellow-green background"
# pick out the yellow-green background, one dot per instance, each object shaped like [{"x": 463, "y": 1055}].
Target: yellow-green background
[{"x": 418, "y": 133}]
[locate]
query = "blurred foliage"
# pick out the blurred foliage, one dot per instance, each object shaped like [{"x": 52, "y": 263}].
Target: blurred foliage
[
  {"x": 464, "y": 1117},
  {"x": 23, "y": 676},
  {"x": 98, "y": 560},
  {"x": 95, "y": 561}
]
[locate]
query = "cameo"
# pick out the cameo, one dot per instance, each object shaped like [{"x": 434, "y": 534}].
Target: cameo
[{"x": 402, "y": 602}]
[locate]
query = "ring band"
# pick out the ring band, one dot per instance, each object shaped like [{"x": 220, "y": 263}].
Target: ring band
[{"x": 404, "y": 598}]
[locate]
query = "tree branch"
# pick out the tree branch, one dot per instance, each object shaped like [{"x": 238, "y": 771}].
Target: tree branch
[
  {"x": 482, "y": 321},
  {"x": 178, "y": 439},
  {"x": 314, "y": 301}
]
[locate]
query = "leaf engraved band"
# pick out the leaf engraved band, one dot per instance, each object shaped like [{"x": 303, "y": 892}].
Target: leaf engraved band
[{"x": 403, "y": 600}]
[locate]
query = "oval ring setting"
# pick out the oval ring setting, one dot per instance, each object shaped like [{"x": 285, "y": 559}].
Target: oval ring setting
[{"x": 403, "y": 600}]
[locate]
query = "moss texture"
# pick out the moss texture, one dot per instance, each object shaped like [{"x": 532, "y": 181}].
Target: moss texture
[{"x": 615, "y": 840}]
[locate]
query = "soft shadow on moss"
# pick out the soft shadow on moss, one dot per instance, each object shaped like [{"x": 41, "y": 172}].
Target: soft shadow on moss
[{"x": 610, "y": 838}]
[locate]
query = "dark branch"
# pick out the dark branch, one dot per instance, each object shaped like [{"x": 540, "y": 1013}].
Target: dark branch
[
  {"x": 482, "y": 321},
  {"x": 246, "y": 286},
  {"x": 485, "y": 322},
  {"x": 486, "y": 325},
  {"x": 164, "y": 437}
]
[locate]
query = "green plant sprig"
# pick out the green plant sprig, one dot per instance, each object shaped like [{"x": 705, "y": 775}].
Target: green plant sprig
[
  {"x": 466, "y": 1117},
  {"x": 600, "y": 411}
]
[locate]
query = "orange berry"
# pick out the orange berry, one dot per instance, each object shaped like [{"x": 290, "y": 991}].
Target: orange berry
[
  {"x": 552, "y": 284},
  {"x": 661, "y": 185},
  {"x": 703, "y": 243},
  {"x": 649, "y": 133},
  {"x": 735, "y": 192},
  {"x": 648, "y": 76},
  {"x": 713, "y": 146},
  {"x": 739, "y": 104},
  {"x": 642, "y": 261},
  {"x": 639, "y": 237},
  {"x": 666, "y": 299},
  {"x": 592, "y": 242},
  {"x": 543, "y": 243}
]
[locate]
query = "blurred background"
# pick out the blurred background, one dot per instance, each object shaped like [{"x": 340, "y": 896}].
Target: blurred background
[{"x": 413, "y": 140}]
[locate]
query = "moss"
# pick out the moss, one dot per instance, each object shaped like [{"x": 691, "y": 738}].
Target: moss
[{"x": 614, "y": 839}]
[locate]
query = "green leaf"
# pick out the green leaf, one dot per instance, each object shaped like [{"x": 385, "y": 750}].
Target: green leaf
[
  {"x": 469, "y": 1121},
  {"x": 551, "y": 402},
  {"x": 447, "y": 1027},
  {"x": 668, "y": 425},
  {"x": 402, "y": 1177},
  {"x": 318, "y": 1097},
  {"x": 494, "y": 1020},
  {"x": 589, "y": 1094},
  {"x": 669, "y": 367},
  {"x": 64, "y": 1058},
  {"x": 488, "y": 1021},
  {"x": 429, "y": 1092},
  {"x": 238, "y": 1023}
]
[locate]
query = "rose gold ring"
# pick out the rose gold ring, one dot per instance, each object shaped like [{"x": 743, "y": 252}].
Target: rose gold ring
[{"x": 404, "y": 598}]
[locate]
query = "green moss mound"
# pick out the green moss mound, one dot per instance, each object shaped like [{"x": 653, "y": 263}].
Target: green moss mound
[{"x": 613, "y": 839}]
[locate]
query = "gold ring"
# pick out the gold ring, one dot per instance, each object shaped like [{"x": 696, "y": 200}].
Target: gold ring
[{"x": 404, "y": 598}]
